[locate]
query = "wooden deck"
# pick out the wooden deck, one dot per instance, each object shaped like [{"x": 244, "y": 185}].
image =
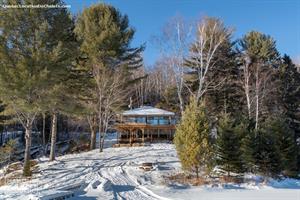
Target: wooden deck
[{"x": 130, "y": 133}]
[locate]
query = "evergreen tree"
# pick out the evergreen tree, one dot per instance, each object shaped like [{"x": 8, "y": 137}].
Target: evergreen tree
[
  {"x": 192, "y": 139},
  {"x": 289, "y": 97},
  {"x": 259, "y": 59},
  {"x": 30, "y": 48},
  {"x": 261, "y": 154},
  {"x": 228, "y": 150},
  {"x": 5, "y": 118},
  {"x": 210, "y": 58},
  {"x": 105, "y": 37},
  {"x": 285, "y": 144},
  {"x": 226, "y": 94},
  {"x": 60, "y": 97}
]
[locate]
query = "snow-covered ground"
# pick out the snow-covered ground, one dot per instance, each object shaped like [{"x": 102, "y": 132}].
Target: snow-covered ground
[{"x": 115, "y": 174}]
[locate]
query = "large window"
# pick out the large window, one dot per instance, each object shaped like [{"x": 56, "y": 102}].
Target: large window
[
  {"x": 135, "y": 119},
  {"x": 158, "y": 120},
  {"x": 141, "y": 120},
  {"x": 164, "y": 120}
]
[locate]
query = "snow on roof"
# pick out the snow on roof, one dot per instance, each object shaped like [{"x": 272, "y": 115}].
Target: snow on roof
[{"x": 147, "y": 110}]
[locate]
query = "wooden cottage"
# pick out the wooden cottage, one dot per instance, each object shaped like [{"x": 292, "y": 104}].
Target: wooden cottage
[{"x": 145, "y": 124}]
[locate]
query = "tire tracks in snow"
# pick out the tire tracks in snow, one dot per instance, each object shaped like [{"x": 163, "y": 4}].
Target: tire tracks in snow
[{"x": 124, "y": 187}]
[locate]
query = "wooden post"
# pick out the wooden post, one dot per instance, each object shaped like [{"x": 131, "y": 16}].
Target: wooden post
[
  {"x": 158, "y": 135},
  {"x": 143, "y": 138}
]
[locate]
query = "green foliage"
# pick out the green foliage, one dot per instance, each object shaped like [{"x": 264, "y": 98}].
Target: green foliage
[
  {"x": 260, "y": 154},
  {"x": 289, "y": 93},
  {"x": 259, "y": 47},
  {"x": 285, "y": 144},
  {"x": 228, "y": 150},
  {"x": 192, "y": 139},
  {"x": 105, "y": 37},
  {"x": 29, "y": 49},
  {"x": 7, "y": 151},
  {"x": 34, "y": 51}
]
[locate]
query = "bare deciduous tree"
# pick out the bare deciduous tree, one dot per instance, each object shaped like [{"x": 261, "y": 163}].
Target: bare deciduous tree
[
  {"x": 111, "y": 93},
  {"x": 174, "y": 43},
  {"x": 210, "y": 35}
]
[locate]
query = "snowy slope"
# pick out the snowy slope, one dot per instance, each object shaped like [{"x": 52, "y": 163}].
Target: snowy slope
[{"x": 115, "y": 174}]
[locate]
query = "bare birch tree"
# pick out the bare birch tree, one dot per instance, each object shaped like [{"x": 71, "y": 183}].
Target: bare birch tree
[
  {"x": 259, "y": 56},
  {"x": 174, "y": 43},
  {"x": 210, "y": 35},
  {"x": 111, "y": 95}
]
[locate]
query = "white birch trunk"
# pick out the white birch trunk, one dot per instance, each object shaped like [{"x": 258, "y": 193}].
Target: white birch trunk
[{"x": 53, "y": 136}]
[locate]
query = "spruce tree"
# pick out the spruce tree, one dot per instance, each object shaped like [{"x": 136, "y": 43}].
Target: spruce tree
[
  {"x": 285, "y": 144},
  {"x": 245, "y": 128},
  {"x": 289, "y": 97},
  {"x": 261, "y": 154},
  {"x": 192, "y": 139},
  {"x": 228, "y": 150}
]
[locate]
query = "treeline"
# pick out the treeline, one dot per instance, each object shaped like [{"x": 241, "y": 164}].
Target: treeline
[
  {"x": 239, "y": 99},
  {"x": 54, "y": 64}
]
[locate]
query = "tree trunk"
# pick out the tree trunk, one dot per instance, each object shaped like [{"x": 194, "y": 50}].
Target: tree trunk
[
  {"x": 28, "y": 131},
  {"x": 181, "y": 104},
  {"x": 43, "y": 133},
  {"x": 197, "y": 172},
  {"x": 53, "y": 136},
  {"x": 102, "y": 141},
  {"x": 92, "y": 121},
  {"x": 256, "y": 113},
  {"x": 100, "y": 135},
  {"x": 257, "y": 88},
  {"x": 93, "y": 139}
]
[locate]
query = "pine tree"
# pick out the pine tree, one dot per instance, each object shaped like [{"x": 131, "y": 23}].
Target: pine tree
[
  {"x": 259, "y": 57},
  {"x": 105, "y": 36},
  {"x": 60, "y": 98},
  {"x": 192, "y": 139},
  {"x": 30, "y": 47},
  {"x": 228, "y": 150}
]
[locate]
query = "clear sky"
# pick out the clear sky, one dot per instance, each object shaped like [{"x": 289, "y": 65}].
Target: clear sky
[{"x": 278, "y": 18}]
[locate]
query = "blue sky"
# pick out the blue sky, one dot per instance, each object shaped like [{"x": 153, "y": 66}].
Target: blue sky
[{"x": 278, "y": 18}]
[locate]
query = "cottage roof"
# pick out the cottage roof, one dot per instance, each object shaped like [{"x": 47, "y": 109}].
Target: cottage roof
[{"x": 147, "y": 111}]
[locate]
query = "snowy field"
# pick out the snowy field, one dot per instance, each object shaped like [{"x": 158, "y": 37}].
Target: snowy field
[{"x": 115, "y": 174}]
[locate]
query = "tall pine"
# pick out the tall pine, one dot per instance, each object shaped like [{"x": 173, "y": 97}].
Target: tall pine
[
  {"x": 30, "y": 47},
  {"x": 105, "y": 42}
]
